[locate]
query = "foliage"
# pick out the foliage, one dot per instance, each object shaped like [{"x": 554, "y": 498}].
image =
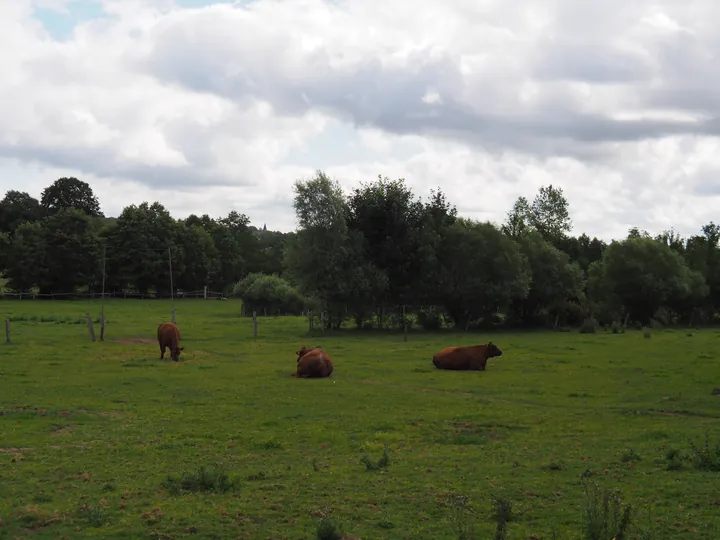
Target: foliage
[
  {"x": 366, "y": 256},
  {"x": 268, "y": 293},
  {"x": 482, "y": 271},
  {"x": 70, "y": 194}
]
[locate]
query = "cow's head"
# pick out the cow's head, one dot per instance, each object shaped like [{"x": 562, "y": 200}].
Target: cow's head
[
  {"x": 175, "y": 353},
  {"x": 492, "y": 350},
  {"x": 302, "y": 352}
]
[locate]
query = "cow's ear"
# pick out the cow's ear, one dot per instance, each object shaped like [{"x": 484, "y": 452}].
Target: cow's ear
[{"x": 297, "y": 352}]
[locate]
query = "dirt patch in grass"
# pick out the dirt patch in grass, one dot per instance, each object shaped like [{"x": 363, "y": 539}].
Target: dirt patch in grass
[
  {"x": 57, "y": 430},
  {"x": 135, "y": 341}
]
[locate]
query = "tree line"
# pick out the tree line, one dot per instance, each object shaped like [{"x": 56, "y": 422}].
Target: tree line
[{"x": 367, "y": 257}]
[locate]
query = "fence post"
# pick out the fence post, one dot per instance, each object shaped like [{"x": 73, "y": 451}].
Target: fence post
[
  {"x": 310, "y": 320},
  {"x": 205, "y": 292},
  {"x": 404, "y": 322},
  {"x": 7, "y": 331},
  {"x": 254, "y": 324},
  {"x": 102, "y": 327},
  {"x": 173, "y": 316},
  {"x": 90, "y": 325},
  {"x": 322, "y": 320}
]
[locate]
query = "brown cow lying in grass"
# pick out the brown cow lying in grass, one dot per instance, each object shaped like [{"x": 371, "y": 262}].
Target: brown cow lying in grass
[
  {"x": 473, "y": 357},
  {"x": 313, "y": 363},
  {"x": 169, "y": 337}
]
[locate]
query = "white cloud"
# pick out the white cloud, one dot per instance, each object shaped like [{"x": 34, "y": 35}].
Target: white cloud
[{"x": 225, "y": 106}]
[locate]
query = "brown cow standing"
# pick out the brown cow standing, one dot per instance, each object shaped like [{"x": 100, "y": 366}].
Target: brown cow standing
[
  {"x": 169, "y": 336},
  {"x": 473, "y": 357},
  {"x": 313, "y": 363}
]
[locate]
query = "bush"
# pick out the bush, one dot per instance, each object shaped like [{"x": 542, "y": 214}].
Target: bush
[
  {"x": 574, "y": 313},
  {"x": 589, "y": 326},
  {"x": 269, "y": 292},
  {"x": 429, "y": 319}
]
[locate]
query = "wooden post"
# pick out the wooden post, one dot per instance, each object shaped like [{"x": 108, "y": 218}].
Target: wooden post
[
  {"x": 90, "y": 326},
  {"x": 254, "y": 324},
  {"x": 205, "y": 292},
  {"x": 172, "y": 292},
  {"x": 7, "y": 330},
  {"x": 310, "y": 320},
  {"x": 322, "y": 320},
  {"x": 404, "y": 325},
  {"x": 102, "y": 327}
]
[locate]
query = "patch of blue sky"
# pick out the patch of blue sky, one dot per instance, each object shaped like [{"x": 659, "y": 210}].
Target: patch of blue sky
[{"x": 61, "y": 23}]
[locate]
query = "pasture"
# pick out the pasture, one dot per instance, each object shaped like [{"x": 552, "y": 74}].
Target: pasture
[{"x": 89, "y": 432}]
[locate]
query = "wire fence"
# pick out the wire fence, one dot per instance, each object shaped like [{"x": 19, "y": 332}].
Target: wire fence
[{"x": 179, "y": 295}]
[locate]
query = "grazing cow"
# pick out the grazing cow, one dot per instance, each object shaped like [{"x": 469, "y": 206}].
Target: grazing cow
[
  {"x": 473, "y": 357},
  {"x": 313, "y": 363},
  {"x": 169, "y": 336}
]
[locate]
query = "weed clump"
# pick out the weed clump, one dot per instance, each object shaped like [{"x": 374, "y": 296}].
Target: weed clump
[
  {"x": 96, "y": 516},
  {"x": 328, "y": 529},
  {"x": 705, "y": 457},
  {"x": 630, "y": 455},
  {"x": 604, "y": 514},
  {"x": 674, "y": 459},
  {"x": 205, "y": 479},
  {"x": 502, "y": 513},
  {"x": 382, "y": 463},
  {"x": 461, "y": 528}
]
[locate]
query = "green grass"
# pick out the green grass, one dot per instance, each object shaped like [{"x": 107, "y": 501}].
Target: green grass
[{"x": 105, "y": 440}]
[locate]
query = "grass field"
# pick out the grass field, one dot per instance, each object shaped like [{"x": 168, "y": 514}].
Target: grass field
[{"x": 89, "y": 432}]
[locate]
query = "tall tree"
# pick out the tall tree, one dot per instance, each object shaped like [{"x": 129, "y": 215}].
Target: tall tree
[
  {"x": 394, "y": 229},
  {"x": 70, "y": 193},
  {"x": 17, "y": 207},
  {"x": 72, "y": 247},
  {"x": 550, "y": 213},
  {"x": 137, "y": 253},
  {"x": 555, "y": 279},
  {"x": 324, "y": 258},
  {"x": 644, "y": 275},
  {"x": 26, "y": 262},
  {"x": 519, "y": 219},
  {"x": 482, "y": 271}
]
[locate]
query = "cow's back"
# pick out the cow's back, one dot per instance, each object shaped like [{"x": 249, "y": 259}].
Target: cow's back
[
  {"x": 166, "y": 331},
  {"x": 460, "y": 358},
  {"x": 315, "y": 363}
]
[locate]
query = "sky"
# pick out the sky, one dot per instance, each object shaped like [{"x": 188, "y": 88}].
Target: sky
[{"x": 209, "y": 106}]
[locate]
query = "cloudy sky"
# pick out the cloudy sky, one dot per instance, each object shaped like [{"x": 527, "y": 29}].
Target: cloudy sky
[{"x": 208, "y": 106}]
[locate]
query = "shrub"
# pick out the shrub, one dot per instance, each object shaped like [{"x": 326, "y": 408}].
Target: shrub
[
  {"x": 617, "y": 327},
  {"x": 705, "y": 457},
  {"x": 574, "y": 313},
  {"x": 204, "y": 479},
  {"x": 382, "y": 463},
  {"x": 328, "y": 529},
  {"x": 268, "y": 292},
  {"x": 429, "y": 319},
  {"x": 589, "y": 326}
]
